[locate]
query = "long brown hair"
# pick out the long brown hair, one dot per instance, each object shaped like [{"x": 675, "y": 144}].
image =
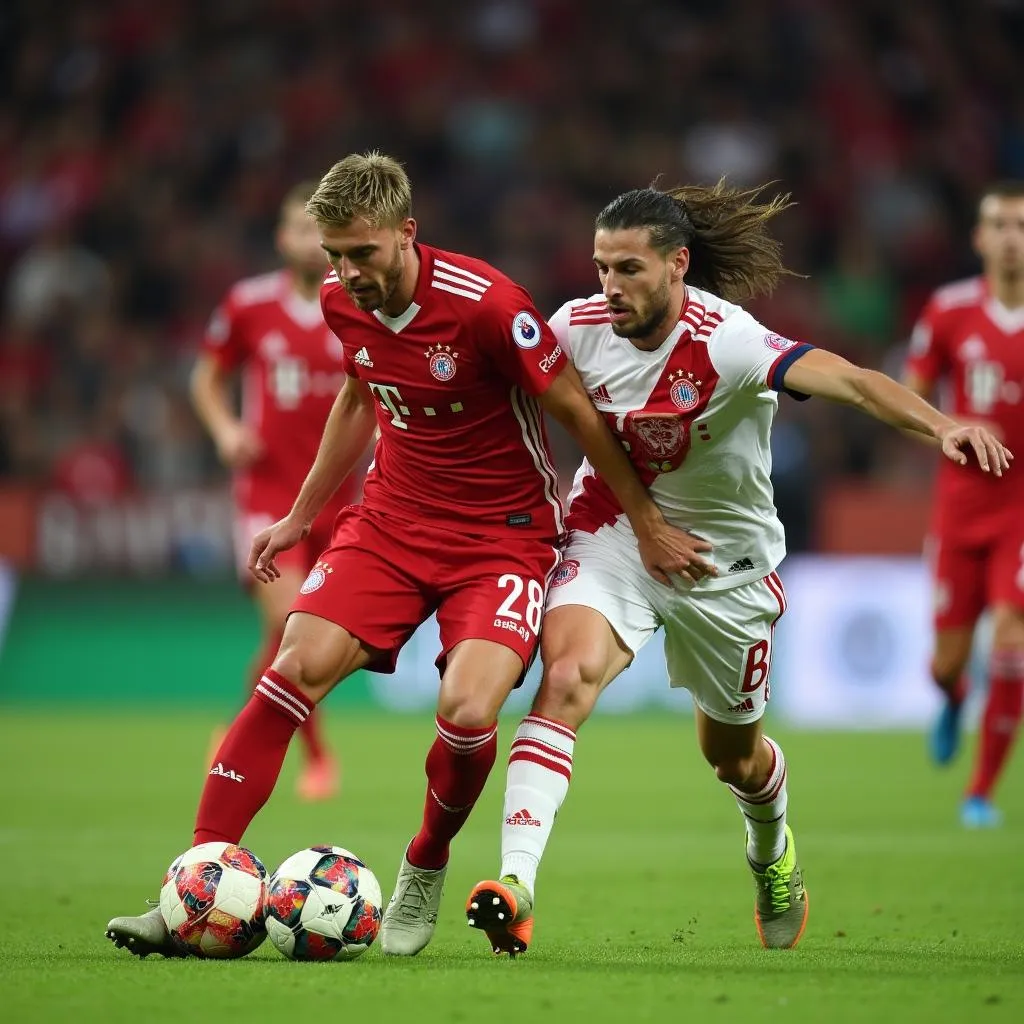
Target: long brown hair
[{"x": 731, "y": 252}]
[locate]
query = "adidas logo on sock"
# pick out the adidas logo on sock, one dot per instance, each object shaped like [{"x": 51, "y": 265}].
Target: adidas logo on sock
[
  {"x": 362, "y": 357},
  {"x": 226, "y": 773},
  {"x": 741, "y": 565},
  {"x": 523, "y": 817}
]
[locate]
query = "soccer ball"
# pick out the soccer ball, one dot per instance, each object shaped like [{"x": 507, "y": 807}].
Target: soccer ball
[
  {"x": 323, "y": 903},
  {"x": 213, "y": 900}
]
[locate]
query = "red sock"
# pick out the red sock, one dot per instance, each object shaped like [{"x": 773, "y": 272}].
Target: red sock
[
  {"x": 249, "y": 759},
  {"x": 309, "y": 732},
  {"x": 1000, "y": 722},
  {"x": 457, "y": 767}
]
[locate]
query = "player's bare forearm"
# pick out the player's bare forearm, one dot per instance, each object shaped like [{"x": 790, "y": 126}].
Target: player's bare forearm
[
  {"x": 208, "y": 387},
  {"x": 826, "y": 375},
  {"x": 347, "y": 432},
  {"x": 566, "y": 400}
]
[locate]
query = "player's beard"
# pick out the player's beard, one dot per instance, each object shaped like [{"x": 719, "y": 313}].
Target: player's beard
[
  {"x": 650, "y": 316},
  {"x": 381, "y": 294}
]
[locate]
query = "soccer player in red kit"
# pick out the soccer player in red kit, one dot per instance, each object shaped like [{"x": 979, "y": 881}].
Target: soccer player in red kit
[
  {"x": 271, "y": 329},
  {"x": 453, "y": 364},
  {"x": 971, "y": 337}
]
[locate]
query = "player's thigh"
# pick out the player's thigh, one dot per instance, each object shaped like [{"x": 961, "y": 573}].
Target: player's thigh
[
  {"x": 1006, "y": 590},
  {"x": 478, "y": 677},
  {"x": 598, "y": 574},
  {"x": 275, "y": 599},
  {"x": 719, "y": 645},
  {"x": 370, "y": 583},
  {"x": 494, "y": 593},
  {"x": 959, "y": 584},
  {"x": 316, "y": 654}
]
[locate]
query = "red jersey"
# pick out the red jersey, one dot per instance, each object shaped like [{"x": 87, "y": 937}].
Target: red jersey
[
  {"x": 292, "y": 370},
  {"x": 967, "y": 339},
  {"x": 455, "y": 378}
]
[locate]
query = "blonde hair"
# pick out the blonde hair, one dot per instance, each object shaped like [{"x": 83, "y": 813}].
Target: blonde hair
[
  {"x": 368, "y": 185},
  {"x": 731, "y": 252}
]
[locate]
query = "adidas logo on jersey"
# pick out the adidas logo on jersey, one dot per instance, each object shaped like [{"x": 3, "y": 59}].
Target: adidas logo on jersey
[
  {"x": 741, "y": 565},
  {"x": 523, "y": 817},
  {"x": 226, "y": 773},
  {"x": 362, "y": 357},
  {"x": 744, "y": 705},
  {"x": 601, "y": 395}
]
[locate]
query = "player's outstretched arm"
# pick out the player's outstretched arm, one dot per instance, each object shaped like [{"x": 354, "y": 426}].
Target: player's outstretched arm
[
  {"x": 237, "y": 445},
  {"x": 826, "y": 375},
  {"x": 663, "y": 548},
  {"x": 346, "y": 434}
]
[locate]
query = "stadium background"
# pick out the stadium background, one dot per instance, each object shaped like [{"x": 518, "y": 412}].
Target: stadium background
[
  {"x": 143, "y": 154},
  {"x": 143, "y": 150}
]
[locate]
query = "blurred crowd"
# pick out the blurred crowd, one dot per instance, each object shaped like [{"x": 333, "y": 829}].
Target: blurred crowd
[{"x": 144, "y": 148}]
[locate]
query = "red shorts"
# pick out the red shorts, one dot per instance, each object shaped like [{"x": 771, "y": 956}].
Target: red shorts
[
  {"x": 299, "y": 558},
  {"x": 970, "y": 578},
  {"x": 382, "y": 577}
]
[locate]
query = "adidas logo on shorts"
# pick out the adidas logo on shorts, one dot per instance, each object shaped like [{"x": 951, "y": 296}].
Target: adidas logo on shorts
[{"x": 741, "y": 565}]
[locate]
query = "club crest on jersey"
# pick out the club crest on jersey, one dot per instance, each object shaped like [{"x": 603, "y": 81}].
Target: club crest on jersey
[
  {"x": 316, "y": 579},
  {"x": 525, "y": 330},
  {"x": 442, "y": 362},
  {"x": 661, "y": 437},
  {"x": 683, "y": 391},
  {"x": 566, "y": 572},
  {"x": 777, "y": 342}
]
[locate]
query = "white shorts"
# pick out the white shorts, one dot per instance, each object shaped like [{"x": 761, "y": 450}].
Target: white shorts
[{"x": 718, "y": 643}]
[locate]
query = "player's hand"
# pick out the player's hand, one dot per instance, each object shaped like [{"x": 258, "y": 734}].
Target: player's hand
[
  {"x": 667, "y": 551},
  {"x": 284, "y": 534},
  {"x": 238, "y": 446},
  {"x": 992, "y": 455}
]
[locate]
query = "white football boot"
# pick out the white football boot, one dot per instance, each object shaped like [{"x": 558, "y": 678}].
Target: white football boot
[
  {"x": 411, "y": 916},
  {"x": 143, "y": 935}
]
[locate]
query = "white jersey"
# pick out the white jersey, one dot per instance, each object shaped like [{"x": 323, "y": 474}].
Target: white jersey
[{"x": 695, "y": 418}]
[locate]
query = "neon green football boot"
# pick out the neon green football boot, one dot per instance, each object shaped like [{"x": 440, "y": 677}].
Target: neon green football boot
[{"x": 780, "y": 901}]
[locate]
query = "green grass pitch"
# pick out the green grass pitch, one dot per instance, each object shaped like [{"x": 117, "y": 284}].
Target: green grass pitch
[{"x": 644, "y": 907}]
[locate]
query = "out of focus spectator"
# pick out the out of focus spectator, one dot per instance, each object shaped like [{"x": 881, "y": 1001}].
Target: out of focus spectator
[{"x": 144, "y": 149}]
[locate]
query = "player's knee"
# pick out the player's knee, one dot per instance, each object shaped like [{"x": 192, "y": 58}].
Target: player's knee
[
  {"x": 948, "y": 666},
  {"x": 569, "y": 690},
  {"x": 1008, "y": 631},
  {"x": 468, "y": 711},
  {"x": 735, "y": 770},
  {"x": 306, "y": 670}
]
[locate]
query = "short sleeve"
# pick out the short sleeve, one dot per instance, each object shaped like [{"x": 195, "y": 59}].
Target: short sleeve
[
  {"x": 224, "y": 338},
  {"x": 522, "y": 343},
  {"x": 751, "y": 358},
  {"x": 927, "y": 356},
  {"x": 332, "y": 320},
  {"x": 559, "y": 324}
]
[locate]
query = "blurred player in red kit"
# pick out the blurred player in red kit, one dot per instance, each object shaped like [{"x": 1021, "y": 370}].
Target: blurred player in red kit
[
  {"x": 970, "y": 337},
  {"x": 271, "y": 329},
  {"x": 452, "y": 363}
]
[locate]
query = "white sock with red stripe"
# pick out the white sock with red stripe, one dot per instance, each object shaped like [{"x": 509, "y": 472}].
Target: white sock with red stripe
[
  {"x": 539, "y": 770},
  {"x": 765, "y": 812}
]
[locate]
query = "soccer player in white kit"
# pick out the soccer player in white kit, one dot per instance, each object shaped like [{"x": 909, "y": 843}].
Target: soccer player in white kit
[{"x": 688, "y": 382}]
